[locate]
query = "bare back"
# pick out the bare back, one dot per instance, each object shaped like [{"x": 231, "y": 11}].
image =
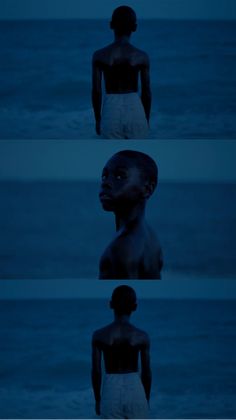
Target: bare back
[
  {"x": 121, "y": 343},
  {"x": 121, "y": 63}
]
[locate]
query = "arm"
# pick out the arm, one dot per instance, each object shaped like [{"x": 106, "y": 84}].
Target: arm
[
  {"x": 161, "y": 262},
  {"x": 146, "y": 96},
  {"x": 96, "y": 91},
  {"x": 146, "y": 375},
  {"x": 96, "y": 373}
]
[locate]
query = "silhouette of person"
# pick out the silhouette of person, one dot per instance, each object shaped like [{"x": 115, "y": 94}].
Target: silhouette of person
[
  {"x": 125, "y": 394},
  {"x": 128, "y": 180},
  {"x": 123, "y": 114}
]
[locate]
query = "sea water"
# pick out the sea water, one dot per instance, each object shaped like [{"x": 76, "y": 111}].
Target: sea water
[
  {"x": 45, "y": 77},
  {"x": 45, "y": 357}
]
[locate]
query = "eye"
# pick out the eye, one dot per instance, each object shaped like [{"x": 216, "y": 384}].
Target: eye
[
  {"x": 121, "y": 175},
  {"x": 104, "y": 176}
]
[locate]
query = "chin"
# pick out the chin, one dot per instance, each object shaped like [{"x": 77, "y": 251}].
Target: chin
[{"x": 108, "y": 206}]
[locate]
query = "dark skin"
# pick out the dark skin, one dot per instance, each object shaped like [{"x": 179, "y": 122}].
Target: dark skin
[
  {"x": 121, "y": 64},
  {"x": 135, "y": 252},
  {"x": 120, "y": 344}
]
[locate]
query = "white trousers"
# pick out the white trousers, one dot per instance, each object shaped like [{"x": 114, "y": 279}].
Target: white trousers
[
  {"x": 123, "y": 117},
  {"x": 123, "y": 397}
]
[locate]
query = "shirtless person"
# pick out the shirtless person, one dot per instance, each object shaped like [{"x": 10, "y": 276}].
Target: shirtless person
[
  {"x": 128, "y": 180},
  {"x": 124, "y": 115},
  {"x": 124, "y": 394}
]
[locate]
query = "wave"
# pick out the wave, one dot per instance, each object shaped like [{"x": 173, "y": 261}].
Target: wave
[
  {"x": 68, "y": 368},
  {"x": 46, "y": 403},
  {"x": 71, "y": 88}
]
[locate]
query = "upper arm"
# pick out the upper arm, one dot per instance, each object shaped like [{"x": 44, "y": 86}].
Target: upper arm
[
  {"x": 145, "y": 356},
  {"x": 96, "y": 355},
  {"x": 161, "y": 261},
  {"x": 145, "y": 75},
  {"x": 96, "y": 73}
]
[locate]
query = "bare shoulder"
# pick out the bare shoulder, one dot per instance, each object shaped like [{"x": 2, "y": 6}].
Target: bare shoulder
[
  {"x": 116, "y": 261},
  {"x": 142, "y": 336},
  {"x": 142, "y": 55},
  {"x": 120, "y": 259},
  {"x": 100, "y": 54},
  {"x": 125, "y": 249},
  {"x": 122, "y": 243},
  {"x": 100, "y": 334},
  {"x": 121, "y": 246}
]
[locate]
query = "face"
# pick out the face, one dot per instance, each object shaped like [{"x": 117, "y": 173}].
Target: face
[{"x": 122, "y": 185}]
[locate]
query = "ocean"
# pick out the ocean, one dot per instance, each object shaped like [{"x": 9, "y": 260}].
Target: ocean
[
  {"x": 45, "y": 357},
  {"x": 46, "y": 77},
  {"x": 58, "y": 229}
]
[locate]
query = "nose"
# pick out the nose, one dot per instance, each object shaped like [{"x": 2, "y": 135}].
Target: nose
[{"x": 105, "y": 187}]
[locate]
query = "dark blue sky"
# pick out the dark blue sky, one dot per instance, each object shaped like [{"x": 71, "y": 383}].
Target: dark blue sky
[
  {"x": 172, "y": 9},
  {"x": 170, "y": 287},
  {"x": 187, "y": 160}
]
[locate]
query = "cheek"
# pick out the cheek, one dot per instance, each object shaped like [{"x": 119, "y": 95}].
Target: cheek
[{"x": 131, "y": 193}]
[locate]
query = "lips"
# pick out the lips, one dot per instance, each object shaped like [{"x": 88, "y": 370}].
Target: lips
[
  {"x": 104, "y": 196},
  {"x": 106, "y": 200}
]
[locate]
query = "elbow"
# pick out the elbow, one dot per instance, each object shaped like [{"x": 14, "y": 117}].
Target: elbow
[
  {"x": 146, "y": 94},
  {"x": 96, "y": 92},
  {"x": 146, "y": 375},
  {"x": 96, "y": 372}
]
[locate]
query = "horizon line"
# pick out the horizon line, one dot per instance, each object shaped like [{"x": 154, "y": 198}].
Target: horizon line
[
  {"x": 225, "y": 19},
  {"x": 171, "y": 298},
  {"x": 164, "y": 181}
]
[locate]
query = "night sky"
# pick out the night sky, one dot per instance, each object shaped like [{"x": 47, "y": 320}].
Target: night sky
[
  {"x": 178, "y": 160},
  {"x": 168, "y": 9}
]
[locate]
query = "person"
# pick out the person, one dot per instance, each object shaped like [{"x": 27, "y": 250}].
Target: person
[
  {"x": 124, "y": 114},
  {"x": 128, "y": 180},
  {"x": 124, "y": 393}
]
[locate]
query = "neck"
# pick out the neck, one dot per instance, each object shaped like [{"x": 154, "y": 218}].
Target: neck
[
  {"x": 123, "y": 39},
  {"x": 126, "y": 217},
  {"x": 121, "y": 318}
]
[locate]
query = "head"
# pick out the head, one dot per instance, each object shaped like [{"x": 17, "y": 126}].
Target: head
[
  {"x": 128, "y": 178},
  {"x": 123, "y": 21},
  {"x": 123, "y": 300}
]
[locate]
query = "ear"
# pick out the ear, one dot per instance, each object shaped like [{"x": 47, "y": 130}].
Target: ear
[
  {"x": 148, "y": 189},
  {"x": 134, "y": 27},
  {"x": 134, "y": 307},
  {"x": 111, "y": 304},
  {"x": 111, "y": 25}
]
